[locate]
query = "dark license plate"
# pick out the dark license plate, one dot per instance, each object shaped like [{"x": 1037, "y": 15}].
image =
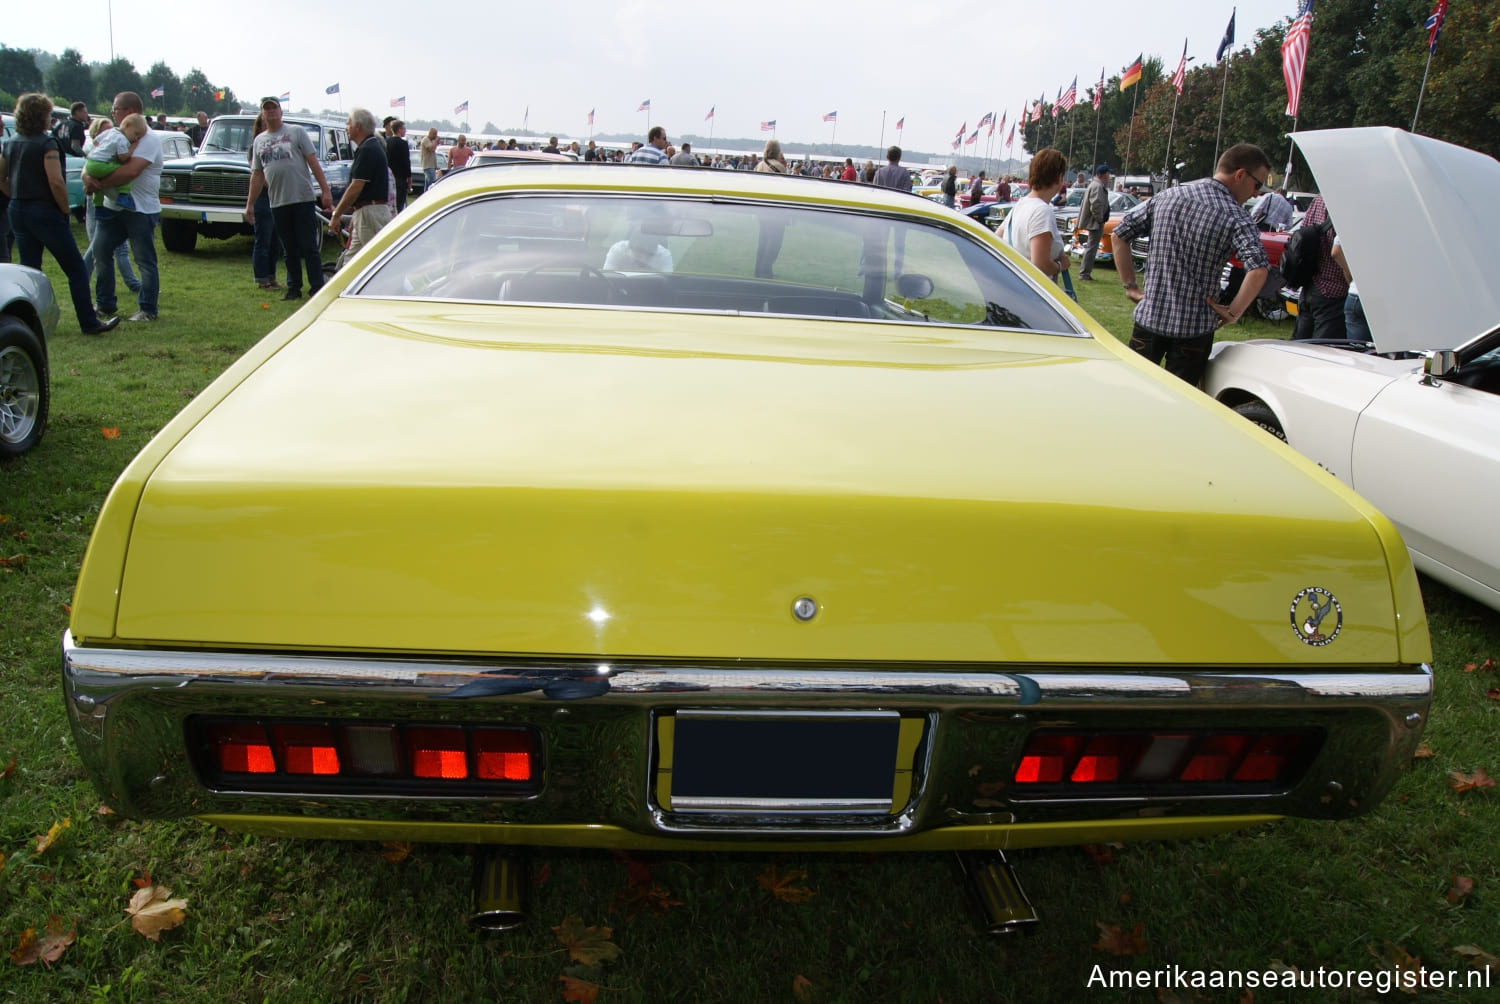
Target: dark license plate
[{"x": 710, "y": 761}]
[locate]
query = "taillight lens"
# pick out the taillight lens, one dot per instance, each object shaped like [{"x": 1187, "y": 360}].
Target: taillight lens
[
  {"x": 1162, "y": 762},
  {"x": 306, "y": 749},
  {"x": 243, "y": 749}
]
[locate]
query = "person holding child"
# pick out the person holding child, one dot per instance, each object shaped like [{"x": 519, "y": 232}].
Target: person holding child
[
  {"x": 31, "y": 174},
  {"x": 91, "y": 223}
]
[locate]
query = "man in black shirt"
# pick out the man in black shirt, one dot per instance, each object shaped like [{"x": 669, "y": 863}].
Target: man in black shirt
[
  {"x": 367, "y": 199},
  {"x": 398, "y": 155},
  {"x": 78, "y": 128}
]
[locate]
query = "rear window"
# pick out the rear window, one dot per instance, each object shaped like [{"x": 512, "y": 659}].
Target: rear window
[{"x": 722, "y": 257}]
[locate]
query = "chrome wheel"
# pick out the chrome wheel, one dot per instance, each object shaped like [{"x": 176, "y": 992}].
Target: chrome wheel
[{"x": 20, "y": 395}]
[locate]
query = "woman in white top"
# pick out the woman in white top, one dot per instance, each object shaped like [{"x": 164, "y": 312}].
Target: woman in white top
[{"x": 1031, "y": 227}]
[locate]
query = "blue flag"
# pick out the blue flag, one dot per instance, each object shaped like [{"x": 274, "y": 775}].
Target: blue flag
[{"x": 1228, "y": 36}]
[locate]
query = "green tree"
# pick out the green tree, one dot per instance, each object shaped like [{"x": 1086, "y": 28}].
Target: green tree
[
  {"x": 18, "y": 72},
  {"x": 70, "y": 79},
  {"x": 116, "y": 76},
  {"x": 198, "y": 92},
  {"x": 161, "y": 75}
]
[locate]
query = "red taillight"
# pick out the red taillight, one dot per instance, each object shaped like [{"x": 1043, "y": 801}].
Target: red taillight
[
  {"x": 241, "y": 748},
  {"x": 1046, "y": 757},
  {"x": 438, "y": 752},
  {"x": 1106, "y": 758},
  {"x": 1268, "y": 758},
  {"x": 502, "y": 754},
  {"x": 1213, "y": 758},
  {"x": 306, "y": 749},
  {"x": 1161, "y": 762}
]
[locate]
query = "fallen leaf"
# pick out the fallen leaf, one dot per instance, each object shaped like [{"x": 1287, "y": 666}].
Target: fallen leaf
[
  {"x": 802, "y": 989},
  {"x": 144, "y": 881},
  {"x": 588, "y": 946},
  {"x": 541, "y": 875},
  {"x": 267, "y": 306},
  {"x": 1462, "y": 886},
  {"x": 21, "y": 535},
  {"x": 635, "y": 899},
  {"x": 1478, "y": 958},
  {"x": 1101, "y": 853},
  {"x": 974, "y": 770},
  {"x": 781, "y": 886},
  {"x": 8, "y": 769},
  {"x": 14, "y": 561},
  {"x": 104, "y": 810},
  {"x": 67, "y": 608},
  {"x": 1399, "y": 960},
  {"x": 1468, "y": 782},
  {"x": 396, "y": 851},
  {"x": 111, "y": 431},
  {"x": 1493, "y": 693},
  {"x": 1469, "y": 667},
  {"x": 1488, "y": 666},
  {"x": 1117, "y": 942},
  {"x": 48, "y": 948},
  {"x": 152, "y": 911},
  {"x": 2, "y": 864},
  {"x": 574, "y": 989},
  {"x": 1423, "y": 751},
  {"x": 54, "y": 832},
  {"x": 73, "y": 372}
]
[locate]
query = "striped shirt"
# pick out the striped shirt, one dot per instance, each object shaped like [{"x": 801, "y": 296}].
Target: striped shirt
[
  {"x": 648, "y": 154},
  {"x": 1193, "y": 228}
]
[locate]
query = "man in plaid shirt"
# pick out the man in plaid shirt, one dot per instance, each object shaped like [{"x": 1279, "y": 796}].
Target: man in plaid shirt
[
  {"x": 1320, "y": 310},
  {"x": 1193, "y": 229}
]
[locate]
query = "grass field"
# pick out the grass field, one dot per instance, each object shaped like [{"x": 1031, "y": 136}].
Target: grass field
[{"x": 1415, "y": 883}]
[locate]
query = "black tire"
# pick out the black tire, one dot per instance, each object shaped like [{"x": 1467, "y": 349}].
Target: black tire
[
  {"x": 179, "y": 236},
  {"x": 1258, "y": 413},
  {"x": 24, "y": 388}
]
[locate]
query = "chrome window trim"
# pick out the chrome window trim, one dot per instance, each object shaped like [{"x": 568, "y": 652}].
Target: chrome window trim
[{"x": 355, "y": 288}]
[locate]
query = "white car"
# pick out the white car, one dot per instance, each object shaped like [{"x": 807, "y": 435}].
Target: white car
[{"x": 1412, "y": 421}]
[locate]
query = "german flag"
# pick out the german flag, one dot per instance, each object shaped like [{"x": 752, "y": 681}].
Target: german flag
[{"x": 1132, "y": 74}]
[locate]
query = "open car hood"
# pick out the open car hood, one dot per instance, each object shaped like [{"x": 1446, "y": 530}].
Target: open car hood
[{"x": 1417, "y": 219}]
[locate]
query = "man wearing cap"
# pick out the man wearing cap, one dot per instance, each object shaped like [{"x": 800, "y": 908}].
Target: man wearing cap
[
  {"x": 1092, "y": 215},
  {"x": 283, "y": 159}
]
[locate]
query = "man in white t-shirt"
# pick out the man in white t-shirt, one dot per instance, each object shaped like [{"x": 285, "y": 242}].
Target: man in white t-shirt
[{"x": 142, "y": 172}]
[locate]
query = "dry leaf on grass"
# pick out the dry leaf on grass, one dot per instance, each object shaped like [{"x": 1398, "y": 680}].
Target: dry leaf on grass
[
  {"x": 1478, "y": 958},
  {"x": 395, "y": 851},
  {"x": 48, "y": 948},
  {"x": 802, "y": 989},
  {"x": 111, "y": 431},
  {"x": 1423, "y": 751},
  {"x": 1462, "y": 886},
  {"x": 578, "y": 991},
  {"x": 1399, "y": 960},
  {"x": 152, "y": 911},
  {"x": 1117, "y": 942},
  {"x": 1468, "y": 782},
  {"x": 587, "y": 946},
  {"x": 781, "y": 886},
  {"x": 8, "y": 769},
  {"x": 54, "y": 832}
]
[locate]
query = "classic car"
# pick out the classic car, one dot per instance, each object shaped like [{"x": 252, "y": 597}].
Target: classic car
[
  {"x": 418, "y": 176},
  {"x": 28, "y": 319},
  {"x": 726, "y": 510},
  {"x": 204, "y": 195},
  {"x": 1120, "y": 203},
  {"x": 1412, "y": 421}
]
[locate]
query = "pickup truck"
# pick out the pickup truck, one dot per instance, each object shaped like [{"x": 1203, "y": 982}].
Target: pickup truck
[{"x": 205, "y": 194}]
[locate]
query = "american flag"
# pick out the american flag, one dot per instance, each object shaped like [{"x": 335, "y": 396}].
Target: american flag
[
  {"x": 901, "y": 122},
  {"x": 1180, "y": 77},
  {"x": 962, "y": 129},
  {"x": 1011, "y": 139},
  {"x": 645, "y": 106},
  {"x": 768, "y": 126},
  {"x": 1057, "y": 105},
  {"x": 460, "y": 109},
  {"x": 973, "y": 138},
  {"x": 591, "y": 116},
  {"x": 398, "y": 102},
  {"x": 710, "y": 112},
  {"x": 1433, "y": 24},
  {"x": 1002, "y": 123},
  {"x": 158, "y": 92},
  {"x": 1294, "y": 55},
  {"x": 1036, "y": 109},
  {"x": 1070, "y": 97},
  {"x": 831, "y": 117},
  {"x": 1099, "y": 91},
  {"x": 987, "y": 119}
]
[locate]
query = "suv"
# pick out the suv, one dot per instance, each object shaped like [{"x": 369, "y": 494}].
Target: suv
[{"x": 206, "y": 194}]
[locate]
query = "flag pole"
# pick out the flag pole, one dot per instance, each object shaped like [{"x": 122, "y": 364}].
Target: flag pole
[
  {"x": 882, "y": 128},
  {"x": 1072, "y": 129},
  {"x": 1098, "y": 117},
  {"x": 1423, "y": 91},
  {"x": 1130, "y": 136},
  {"x": 1166, "y": 165},
  {"x": 1223, "y": 90}
]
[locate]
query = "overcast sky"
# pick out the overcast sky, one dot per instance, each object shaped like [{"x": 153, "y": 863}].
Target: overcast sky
[{"x": 935, "y": 63}]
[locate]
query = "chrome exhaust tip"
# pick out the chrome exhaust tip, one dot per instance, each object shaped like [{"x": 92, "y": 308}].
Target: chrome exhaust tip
[
  {"x": 499, "y": 889},
  {"x": 995, "y": 890}
]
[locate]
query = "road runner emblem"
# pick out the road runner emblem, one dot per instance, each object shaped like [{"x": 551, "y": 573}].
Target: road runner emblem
[{"x": 1316, "y": 616}]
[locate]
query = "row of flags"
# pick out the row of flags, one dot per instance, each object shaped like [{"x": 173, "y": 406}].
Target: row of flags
[
  {"x": 160, "y": 91},
  {"x": 1293, "y": 63}
]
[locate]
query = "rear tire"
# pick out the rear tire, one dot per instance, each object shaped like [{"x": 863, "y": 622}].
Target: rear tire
[
  {"x": 24, "y": 392},
  {"x": 1259, "y": 414},
  {"x": 179, "y": 236}
]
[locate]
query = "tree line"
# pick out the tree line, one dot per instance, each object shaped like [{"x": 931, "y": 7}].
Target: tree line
[
  {"x": 1364, "y": 67},
  {"x": 67, "y": 78}
]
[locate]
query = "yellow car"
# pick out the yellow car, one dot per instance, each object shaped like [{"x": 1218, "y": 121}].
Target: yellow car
[{"x": 610, "y": 506}]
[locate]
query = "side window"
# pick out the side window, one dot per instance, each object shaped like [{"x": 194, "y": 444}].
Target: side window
[{"x": 956, "y": 296}]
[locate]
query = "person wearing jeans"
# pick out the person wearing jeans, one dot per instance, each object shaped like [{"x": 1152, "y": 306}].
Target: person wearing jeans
[{"x": 138, "y": 226}]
